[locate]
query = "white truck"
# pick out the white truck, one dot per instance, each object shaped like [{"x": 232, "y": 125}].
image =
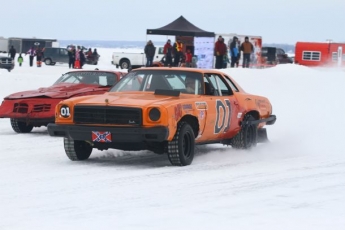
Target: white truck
[{"x": 134, "y": 58}]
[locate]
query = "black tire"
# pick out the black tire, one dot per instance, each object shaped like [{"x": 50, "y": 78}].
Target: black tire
[
  {"x": 77, "y": 150},
  {"x": 20, "y": 127},
  {"x": 53, "y": 63},
  {"x": 95, "y": 63},
  {"x": 248, "y": 135},
  {"x": 124, "y": 64},
  {"x": 181, "y": 149},
  {"x": 48, "y": 61}
]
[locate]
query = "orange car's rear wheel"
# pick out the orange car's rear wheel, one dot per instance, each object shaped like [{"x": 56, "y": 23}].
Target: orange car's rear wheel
[
  {"x": 181, "y": 149},
  {"x": 248, "y": 135},
  {"x": 20, "y": 126}
]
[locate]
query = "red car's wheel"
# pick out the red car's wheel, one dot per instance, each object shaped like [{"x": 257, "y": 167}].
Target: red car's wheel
[{"x": 20, "y": 127}]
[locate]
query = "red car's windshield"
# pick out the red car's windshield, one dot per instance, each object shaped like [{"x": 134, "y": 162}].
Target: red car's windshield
[{"x": 88, "y": 77}]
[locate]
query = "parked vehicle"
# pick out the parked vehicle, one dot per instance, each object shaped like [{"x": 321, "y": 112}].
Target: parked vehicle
[
  {"x": 126, "y": 60},
  {"x": 36, "y": 108},
  {"x": 274, "y": 55},
  {"x": 53, "y": 55},
  {"x": 6, "y": 63},
  {"x": 320, "y": 53},
  {"x": 164, "y": 110}
]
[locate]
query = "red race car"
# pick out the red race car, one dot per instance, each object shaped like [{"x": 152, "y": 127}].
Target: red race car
[{"x": 36, "y": 108}]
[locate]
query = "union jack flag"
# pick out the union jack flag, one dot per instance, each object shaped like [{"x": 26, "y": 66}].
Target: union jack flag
[{"x": 101, "y": 136}]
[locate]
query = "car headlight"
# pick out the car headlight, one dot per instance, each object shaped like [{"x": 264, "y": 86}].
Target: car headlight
[
  {"x": 154, "y": 114},
  {"x": 65, "y": 111}
]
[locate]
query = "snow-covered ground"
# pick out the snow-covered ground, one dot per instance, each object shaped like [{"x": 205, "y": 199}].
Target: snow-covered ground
[{"x": 297, "y": 181}]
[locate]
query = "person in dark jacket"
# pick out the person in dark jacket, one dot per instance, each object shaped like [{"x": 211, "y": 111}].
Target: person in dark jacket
[
  {"x": 32, "y": 54},
  {"x": 150, "y": 53},
  {"x": 219, "y": 51},
  {"x": 39, "y": 55},
  {"x": 177, "y": 51},
  {"x": 168, "y": 53},
  {"x": 12, "y": 52},
  {"x": 247, "y": 49},
  {"x": 82, "y": 58},
  {"x": 234, "y": 52},
  {"x": 71, "y": 56}
]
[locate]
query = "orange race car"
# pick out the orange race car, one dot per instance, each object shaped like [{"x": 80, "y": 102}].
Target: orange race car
[{"x": 165, "y": 110}]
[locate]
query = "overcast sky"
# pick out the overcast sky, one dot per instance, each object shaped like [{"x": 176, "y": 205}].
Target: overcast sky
[{"x": 277, "y": 21}]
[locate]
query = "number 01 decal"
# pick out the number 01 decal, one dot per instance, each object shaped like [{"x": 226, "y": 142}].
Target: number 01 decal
[
  {"x": 226, "y": 107},
  {"x": 64, "y": 111}
]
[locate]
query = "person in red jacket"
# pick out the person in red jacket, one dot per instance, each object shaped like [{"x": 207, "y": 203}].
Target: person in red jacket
[
  {"x": 189, "y": 56},
  {"x": 219, "y": 51},
  {"x": 168, "y": 53}
]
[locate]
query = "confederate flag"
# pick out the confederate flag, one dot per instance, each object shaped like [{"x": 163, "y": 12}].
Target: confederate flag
[{"x": 101, "y": 136}]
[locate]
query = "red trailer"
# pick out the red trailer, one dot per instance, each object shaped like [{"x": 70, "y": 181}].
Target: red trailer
[{"x": 320, "y": 54}]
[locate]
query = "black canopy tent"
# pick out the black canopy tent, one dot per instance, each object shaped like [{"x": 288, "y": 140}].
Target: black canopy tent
[{"x": 181, "y": 27}]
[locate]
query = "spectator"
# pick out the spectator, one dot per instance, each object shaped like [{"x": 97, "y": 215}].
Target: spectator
[
  {"x": 39, "y": 55},
  {"x": 77, "y": 58},
  {"x": 168, "y": 53},
  {"x": 12, "y": 53},
  {"x": 150, "y": 53},
  {"x": 234, "y": 51},
  {"x": 89, "y": 53},
  {"x": 32, "y": 54},
  {"x": 247, "y": 49},
  {"x": 71, "y": 56},
  {"x": 225, "y": 60},
  {"x": 95, "y": 54},
  {"x": 220, "y": 50},
  {"x": 188, "y": 58},
  {"x": 239, "y": 53},
  {"x": 177, "y": 50},
  {"x": 20, "y": 59},
  {"x": 82, "y": 58},
  {"x": 194, "y": 61}
]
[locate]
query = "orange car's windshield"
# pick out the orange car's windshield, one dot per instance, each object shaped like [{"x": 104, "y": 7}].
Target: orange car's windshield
[{"x": 150, "y": 80}]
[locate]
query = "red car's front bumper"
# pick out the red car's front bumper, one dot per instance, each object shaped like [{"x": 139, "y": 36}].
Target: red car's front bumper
[{"x": 30, "y": 110}]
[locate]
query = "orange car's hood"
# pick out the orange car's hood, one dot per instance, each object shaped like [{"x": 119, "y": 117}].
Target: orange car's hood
[
  {"x": 63, "y": 90},
  {"x": 142, "y": 99}
]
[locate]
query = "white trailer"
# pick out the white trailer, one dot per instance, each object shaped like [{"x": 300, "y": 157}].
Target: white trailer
[{"x": 3, "y": 45}]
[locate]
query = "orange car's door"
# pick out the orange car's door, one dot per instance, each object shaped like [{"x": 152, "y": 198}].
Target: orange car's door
[{"x": 222, "y": 121}]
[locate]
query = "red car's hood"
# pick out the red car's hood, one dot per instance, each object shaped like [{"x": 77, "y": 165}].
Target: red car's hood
[{"x": 62, "y": 90}]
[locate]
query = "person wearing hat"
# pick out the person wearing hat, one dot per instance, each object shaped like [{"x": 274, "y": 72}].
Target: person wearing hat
[
  {"x": 247, "y": 49},
  {"x": 220, "y": 50},
  {"x": 167, "y": 50},
  {"x": 234, "y": 51},
  {"x": 150, "y": 53},
  {"x": 178, "y": 51}
]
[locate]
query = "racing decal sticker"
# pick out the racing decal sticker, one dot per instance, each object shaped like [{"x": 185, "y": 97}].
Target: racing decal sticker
[
  {"x": 178, "y": 112},
  {"x": 101, "y": 136},
  {"x": 202, "y": 114},
  {"x": 223, "y": 116},
  {"x": 187, "y": 107},
  {"x": 201, "y": 105}
]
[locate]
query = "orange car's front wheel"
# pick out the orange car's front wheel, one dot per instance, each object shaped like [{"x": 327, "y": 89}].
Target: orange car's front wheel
[{"x": 181, "y": 149}]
